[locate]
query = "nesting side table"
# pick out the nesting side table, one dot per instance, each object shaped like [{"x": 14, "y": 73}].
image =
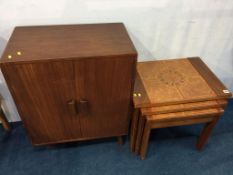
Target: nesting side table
[{"x": 174, "y": 93}]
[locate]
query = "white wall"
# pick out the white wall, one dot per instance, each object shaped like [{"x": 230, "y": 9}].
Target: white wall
[{"x": 158, "y": 28}]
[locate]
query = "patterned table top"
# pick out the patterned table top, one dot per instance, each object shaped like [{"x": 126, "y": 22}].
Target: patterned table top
[{"x": 176, "y": 81}]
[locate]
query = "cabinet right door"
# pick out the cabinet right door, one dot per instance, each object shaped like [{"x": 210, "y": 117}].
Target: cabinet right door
[{"x": 104, "y": 88}]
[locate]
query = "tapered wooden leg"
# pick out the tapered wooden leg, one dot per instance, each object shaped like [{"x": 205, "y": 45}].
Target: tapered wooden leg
[
  {"x": 120, "y": 140},
  {"x": 134, "y": 125},
  {"x": 4, "y": 121},
  {"x": 206, "y": 133},
  {"x": 145, "y": 140},
  {"x": 141, "y": 125}
]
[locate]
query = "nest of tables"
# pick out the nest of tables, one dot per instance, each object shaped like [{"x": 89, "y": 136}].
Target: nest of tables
[{"x": 175, "y": 92}]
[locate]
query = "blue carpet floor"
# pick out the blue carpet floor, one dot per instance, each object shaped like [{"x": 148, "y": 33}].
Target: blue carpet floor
[{"x": 171, "y": 151}]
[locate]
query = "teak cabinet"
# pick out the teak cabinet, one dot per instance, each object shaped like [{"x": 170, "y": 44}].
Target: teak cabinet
[{"x": 71, "y": 82}]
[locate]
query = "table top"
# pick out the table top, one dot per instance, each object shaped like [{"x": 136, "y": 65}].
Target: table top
[
  {"x": 176, "y": 81},
  {"x": 29, "y": 43}
]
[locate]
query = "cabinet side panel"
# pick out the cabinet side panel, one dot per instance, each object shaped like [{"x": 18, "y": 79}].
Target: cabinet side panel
[
  {"x": 41, "y": 92},
  {"x": 107, "y": 86}
]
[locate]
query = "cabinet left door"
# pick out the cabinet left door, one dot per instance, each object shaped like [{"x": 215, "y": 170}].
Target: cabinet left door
[{"x": 42, "y": 92}]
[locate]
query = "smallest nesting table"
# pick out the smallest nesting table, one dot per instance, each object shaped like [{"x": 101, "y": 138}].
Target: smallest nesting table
[{"x": 174, "y": 93}]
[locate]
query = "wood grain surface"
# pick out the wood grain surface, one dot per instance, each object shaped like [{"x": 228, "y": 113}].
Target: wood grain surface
[
  {"x": 208, "y": 116},
  {"x": 170, "y": 109},
  {"x": 41, "y": 92},
  {"x": 176, "y": 81},
  {"x": 213, "y": 81},
  {"x": 43, "y": 43},
  {"x": 71, "y": 82},
  {"x": 106, "y": 86},
  {"x": 185, "y": 115},
  {"x": 184, "y": 107}
]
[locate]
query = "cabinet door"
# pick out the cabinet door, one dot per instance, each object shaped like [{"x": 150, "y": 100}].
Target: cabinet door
[
  {"x": 106, "y": 84},
  {"x": 41, "y": 92}
]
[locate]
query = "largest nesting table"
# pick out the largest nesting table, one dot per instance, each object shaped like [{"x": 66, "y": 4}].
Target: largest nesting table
[{"x": 175, "y": 92}]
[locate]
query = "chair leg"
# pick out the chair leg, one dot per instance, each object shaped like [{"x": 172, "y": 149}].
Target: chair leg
[
  {"x": 141, "y": 125},
  {"x": 206, "y": 133},
  {"x": 145, "y": 140},
  {"x": 134, "y": 125},
  {"x": 4, "y": 121}
]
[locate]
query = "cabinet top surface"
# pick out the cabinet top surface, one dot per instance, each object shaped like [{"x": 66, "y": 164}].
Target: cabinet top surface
[
  {"x": 31, "y": 43},
  {"x": 176, "y": 81}
]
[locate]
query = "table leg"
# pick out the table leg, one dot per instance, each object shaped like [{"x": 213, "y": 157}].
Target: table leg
[
  {"x": 141, "y": 125},
  {"x": 4, "y": 121},
  {"x": 145, "y": 140},
  {"x": 206, "y": 133},
  {"x": 134, "y": 125}
]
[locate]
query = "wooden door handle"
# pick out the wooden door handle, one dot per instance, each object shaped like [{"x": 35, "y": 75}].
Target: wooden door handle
[
  {"x": 83, "y": 105},
  {"x": 71, "y": 105}
]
